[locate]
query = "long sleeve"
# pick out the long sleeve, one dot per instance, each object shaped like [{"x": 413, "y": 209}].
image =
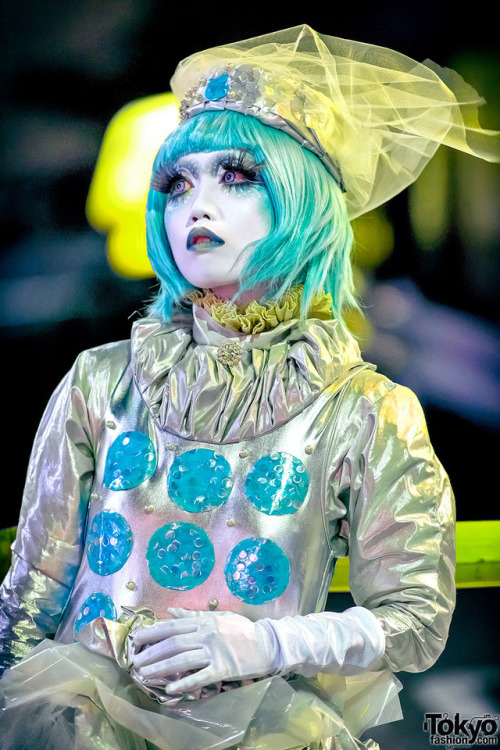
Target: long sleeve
[
  {"x": 400, "y": 513},
  {"x": 48, "y": 548}
]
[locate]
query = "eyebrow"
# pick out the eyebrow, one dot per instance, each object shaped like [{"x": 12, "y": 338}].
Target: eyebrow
[{"x": 185, "y": 162}]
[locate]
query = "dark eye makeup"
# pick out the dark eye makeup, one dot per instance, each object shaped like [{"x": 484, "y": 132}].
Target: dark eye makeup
[
  {"x": 241, "y": 162},
  {"x": 169, "y": 178},
  {"x": 166, "y": 179}
]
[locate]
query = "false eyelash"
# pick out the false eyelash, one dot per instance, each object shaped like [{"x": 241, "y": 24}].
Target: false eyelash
[
  {"x": 243, "y": 162},
  {"x": 163, "y": 180}
]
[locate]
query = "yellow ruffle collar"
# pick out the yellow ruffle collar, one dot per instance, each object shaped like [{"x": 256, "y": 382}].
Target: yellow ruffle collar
[{"x": 257, "y": 317}]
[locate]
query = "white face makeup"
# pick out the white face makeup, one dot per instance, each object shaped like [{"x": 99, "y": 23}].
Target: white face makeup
[{"x": 216, "y": 205}]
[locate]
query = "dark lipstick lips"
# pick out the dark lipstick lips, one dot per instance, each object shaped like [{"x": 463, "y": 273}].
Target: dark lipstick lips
[{"x": 206, "y": 239}]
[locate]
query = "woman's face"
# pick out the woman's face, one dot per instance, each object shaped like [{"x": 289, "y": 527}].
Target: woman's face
[{"x": 216, "y": 205}]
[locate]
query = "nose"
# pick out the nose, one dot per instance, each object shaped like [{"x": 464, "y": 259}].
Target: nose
[{"x": 204, "y": 205}]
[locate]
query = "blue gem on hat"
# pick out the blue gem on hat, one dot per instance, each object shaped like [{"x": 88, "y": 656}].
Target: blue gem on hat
[{"x": 217, "y": 88}]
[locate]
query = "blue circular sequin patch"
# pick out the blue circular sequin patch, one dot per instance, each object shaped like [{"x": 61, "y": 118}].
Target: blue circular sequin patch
[
  {"x": 217, "y": 88},
  {"x": 180, "y": 556},
  {"x": 199, "y": 480},
  {"x": 277, "y": 484},
  {"x": 109, "y": 542},
  {"x": 131, "y": 459},
  {"x": 96, "y": 605},
  {"x": 257, "y": 571}
]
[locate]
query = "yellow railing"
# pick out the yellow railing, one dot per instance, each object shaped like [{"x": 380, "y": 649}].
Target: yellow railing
[{"x": 478, "y": 557}]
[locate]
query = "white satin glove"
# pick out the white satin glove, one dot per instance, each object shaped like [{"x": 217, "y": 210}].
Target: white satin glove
[
  {"x": 221, "y": 645},
  {"x": 346, "y": 643},
  {"x": 226, "y": 646}
]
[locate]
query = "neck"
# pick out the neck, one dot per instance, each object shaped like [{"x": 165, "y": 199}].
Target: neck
[{"x": 244, "y": 298}]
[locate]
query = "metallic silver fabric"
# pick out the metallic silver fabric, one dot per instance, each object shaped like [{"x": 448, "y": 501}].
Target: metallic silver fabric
[
  {"x": 376, "y": 489},
  {"x": 282, "y": 370}
]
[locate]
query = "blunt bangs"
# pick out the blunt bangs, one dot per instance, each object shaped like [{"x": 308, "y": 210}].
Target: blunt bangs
[{"x": 209, "y": 131}]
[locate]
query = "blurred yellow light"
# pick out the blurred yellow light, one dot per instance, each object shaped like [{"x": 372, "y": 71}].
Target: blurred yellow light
[
  {"x": 429, "y": 202},
  {"x": 359, "y": 326},
  {"x": 116, "y": 202},
  {"x": 373, "y": 238}
]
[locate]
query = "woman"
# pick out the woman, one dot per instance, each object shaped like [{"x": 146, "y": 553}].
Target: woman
[{"x": 190, "y": 490}]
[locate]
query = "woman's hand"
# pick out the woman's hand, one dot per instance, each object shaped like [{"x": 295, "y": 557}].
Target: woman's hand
[
  {"x": 225, "y": 646},
  {"x": 218, "y": 645}
]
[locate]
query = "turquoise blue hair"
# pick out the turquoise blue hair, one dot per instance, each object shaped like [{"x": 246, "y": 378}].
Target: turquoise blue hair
[{"x": 311, "y": 238}]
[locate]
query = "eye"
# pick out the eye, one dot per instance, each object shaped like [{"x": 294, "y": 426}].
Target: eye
[
  {"x": 236, "y": 176},
  {"x": 178, "y": 186},
  {"x": 230, "y": 177},
  {"x": 241, "y": 170},
  {"x": 170, "y": 181}
]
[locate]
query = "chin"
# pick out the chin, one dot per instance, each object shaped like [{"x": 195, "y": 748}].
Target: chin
[{"x": 204, "y": 281}]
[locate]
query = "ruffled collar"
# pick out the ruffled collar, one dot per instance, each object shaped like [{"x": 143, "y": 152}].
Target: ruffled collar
[
  {"x": 282, "y": 370},
  {"x": 256, "y": 317}
]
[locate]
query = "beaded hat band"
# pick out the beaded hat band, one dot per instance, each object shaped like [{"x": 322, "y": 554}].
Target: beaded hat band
[
  {"x": 277, "y": 102},
  {"x": 372, "y": 115}
]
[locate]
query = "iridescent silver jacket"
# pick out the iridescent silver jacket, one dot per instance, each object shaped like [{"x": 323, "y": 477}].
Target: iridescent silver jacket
[{"x": 161, "y": 476}]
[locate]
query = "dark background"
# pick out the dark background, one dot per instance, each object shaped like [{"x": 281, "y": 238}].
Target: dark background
[{"x": 67, "y": 68}]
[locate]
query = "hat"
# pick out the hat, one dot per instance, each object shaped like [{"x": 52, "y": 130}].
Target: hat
[{"x": 372, "y": 115}]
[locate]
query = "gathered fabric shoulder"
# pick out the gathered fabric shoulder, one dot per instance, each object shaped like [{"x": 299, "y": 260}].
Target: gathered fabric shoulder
[{"x": 191, "y": 391}]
